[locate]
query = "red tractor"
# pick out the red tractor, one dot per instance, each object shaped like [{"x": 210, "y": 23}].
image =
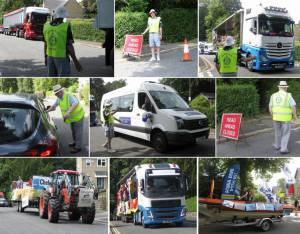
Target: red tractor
[{"x": 66, "y": 194}]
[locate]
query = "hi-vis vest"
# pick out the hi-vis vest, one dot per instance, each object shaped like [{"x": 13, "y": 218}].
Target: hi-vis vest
[
  {"x": 56, "y": 39},
  {"x": 153, "y": 24},
  {"x": 76, "y": 115},
  {"x": 108, "y": 119},
  {"x": 227, "y": 60},
  {"x": 281, "y": 107}
]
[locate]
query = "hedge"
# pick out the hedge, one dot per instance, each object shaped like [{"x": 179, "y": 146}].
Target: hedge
[
  {"x": 297, "y": 50},
  {"x": 177, "y": 23},
  {"x": 83, "y": 30},
  {"x": 202, "y": 104},
  {"x": 237, "y": 98}
]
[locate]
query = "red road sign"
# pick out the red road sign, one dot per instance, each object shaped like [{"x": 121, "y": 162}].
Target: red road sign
[
  {"x": 133, "y": 45},
  {"x": 230, "y": 125}
]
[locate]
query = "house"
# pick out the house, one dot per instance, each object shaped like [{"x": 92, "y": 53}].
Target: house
[
  {"x": 74, "y": 9},
  {"x": 97, "y": 170}
]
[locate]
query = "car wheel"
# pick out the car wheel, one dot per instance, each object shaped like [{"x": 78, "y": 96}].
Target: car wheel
[{"x": 159, "y": 142}]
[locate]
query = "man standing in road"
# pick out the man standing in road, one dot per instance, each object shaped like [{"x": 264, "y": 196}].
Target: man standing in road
[
  {"x": 154, "y": 26},
  {"x": 72, "y": 113},
  {"x": 58, "y": 47},
  {"x": 282, "y": 108},
  {"x": 227, "y": 58}
]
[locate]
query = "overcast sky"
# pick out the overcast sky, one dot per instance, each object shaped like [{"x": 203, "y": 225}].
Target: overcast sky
[{"x": 292, "y": 6}]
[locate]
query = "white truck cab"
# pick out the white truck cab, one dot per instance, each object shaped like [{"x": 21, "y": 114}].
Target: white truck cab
[{"x": 156, "y": 113}]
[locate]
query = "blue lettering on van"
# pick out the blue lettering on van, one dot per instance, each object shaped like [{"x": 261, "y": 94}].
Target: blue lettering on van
[
  {"x": 125, "y": 120},
  {"x": 192, "y": 113}
]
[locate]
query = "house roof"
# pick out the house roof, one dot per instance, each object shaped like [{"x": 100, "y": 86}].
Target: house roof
[{"x": 52, "y": 4}]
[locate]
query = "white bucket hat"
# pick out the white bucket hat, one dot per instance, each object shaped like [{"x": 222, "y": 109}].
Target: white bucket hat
[
  {"x": 152, "y": 11},
  {"x": 57, "y": 88},
  {"x": 283, "y": 84},
  {"x": 229, "y": 41},
  {"x": 60, "y": 12},
  {"x": 108, "y": 103}
]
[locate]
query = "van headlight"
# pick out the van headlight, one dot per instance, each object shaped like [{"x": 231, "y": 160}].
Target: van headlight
[{"x": 179, "y": 122}]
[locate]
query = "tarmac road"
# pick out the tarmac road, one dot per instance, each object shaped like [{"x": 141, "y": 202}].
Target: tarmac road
[
  {"x": 170, "y": 64},
  {"x": 29, "y": 222},
  {"x": 260, "y": 145},
  {"x": 207, "y": 69},
  {"x": 289, "y": 225},
  {"x": 64, "y": 132},
  {"x": 118, "y": 227},
  {"x": 20, "y": 57},
  {"x": 132, "y": 147}
]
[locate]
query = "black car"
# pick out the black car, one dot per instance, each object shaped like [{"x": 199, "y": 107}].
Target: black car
[
  {"x": 3, "y": 202},
  {"x": 25, "y": 127}
]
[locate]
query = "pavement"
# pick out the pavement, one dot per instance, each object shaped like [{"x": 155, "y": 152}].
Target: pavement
[
  {"x": 169, "y": 66},
  {"x": 289, "y": 224},
  {"x": 29, "y": 222},
  {"x": 20, "y": 57},
  {"x": 64, "y": 134},
  {"x": 207, "y": 69},
  {"x": 256, "y": 139},
  {"x": 189, "y": 227},
  {"x": 127, "y": 146}
]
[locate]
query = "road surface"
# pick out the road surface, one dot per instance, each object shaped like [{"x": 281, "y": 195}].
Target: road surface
[
  {"x": 64, "y": 131},
  {"x": 132, "y": 147},
  {"x": 20, "y": 57},
  {"x": 289, "y": 225},
  {"x": 29, "y": 222},
  {"x": 207, "y": 69},
  {"x": 118, "y": 227},
  {"x": 259, "y": 145},
  {"x": 169, "y": 66}
]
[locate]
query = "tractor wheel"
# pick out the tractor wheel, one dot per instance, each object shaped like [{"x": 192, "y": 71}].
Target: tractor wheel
[
  {"x": 74, "y": 215},
  {"x": 88, "y": 214},
  {"x": 53, "y": 210},
  {"x": 43, "y": 205}
]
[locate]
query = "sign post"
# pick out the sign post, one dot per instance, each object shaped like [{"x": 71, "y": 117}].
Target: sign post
[
  {"x": 230, "y": 125},
  {"x": 133, "y": 45}
]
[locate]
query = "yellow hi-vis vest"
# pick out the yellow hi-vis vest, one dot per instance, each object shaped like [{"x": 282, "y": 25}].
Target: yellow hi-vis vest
[
  {"x": 108, "y": 119},
  {"x": 153, "y": 24},
  {"x": 227, "y": 60},
  {"x": 281, "y": 107},
  {"x": 76, "y": 115},
  {"x": 56, "y": 39}
]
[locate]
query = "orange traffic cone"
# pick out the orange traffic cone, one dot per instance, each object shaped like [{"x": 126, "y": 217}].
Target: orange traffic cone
[{"x": 186, "y": 52}]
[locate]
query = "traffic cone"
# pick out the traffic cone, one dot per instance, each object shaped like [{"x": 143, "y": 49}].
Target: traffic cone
[{"x": 186, "y": 52}]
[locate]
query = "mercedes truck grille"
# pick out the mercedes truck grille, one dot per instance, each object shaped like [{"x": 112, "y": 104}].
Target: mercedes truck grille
[{"x": 279, "y": 50}]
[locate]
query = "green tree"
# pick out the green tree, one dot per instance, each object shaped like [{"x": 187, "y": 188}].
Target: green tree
[
  {"x": 97, "y": 90},
  {"x": 25, "y": 85},
  {"x": 8, "y": 85}
]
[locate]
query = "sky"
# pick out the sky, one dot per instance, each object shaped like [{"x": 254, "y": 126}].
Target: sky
[{"x": 292, "y": 6}]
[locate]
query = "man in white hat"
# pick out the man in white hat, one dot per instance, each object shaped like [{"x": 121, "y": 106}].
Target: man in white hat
[
  {"x": 58, "y": 45},
  {"x": 72, "y": 113},
  {"x": 154, "y": 26},
  {"x": 282, "y": 108},
  {"x": 227, "y": 58}
]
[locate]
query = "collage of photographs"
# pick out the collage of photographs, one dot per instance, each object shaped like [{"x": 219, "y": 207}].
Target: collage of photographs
[{"x": 149, "y": 116}]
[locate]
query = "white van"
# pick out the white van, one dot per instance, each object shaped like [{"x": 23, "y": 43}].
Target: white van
[{"x": 156, "y": 113}]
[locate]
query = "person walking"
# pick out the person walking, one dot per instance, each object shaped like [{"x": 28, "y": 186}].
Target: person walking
[
  {"x": 58, "y": 45},
  {"x": 282, "y": 108},
  {"x": 108, "y": 125},
  {"x": 154, "y": 26},
  {"x": 227, "y": 58},
  {"x": 72, "y": 113}
]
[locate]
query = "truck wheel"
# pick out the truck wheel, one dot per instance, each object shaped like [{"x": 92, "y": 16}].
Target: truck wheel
[
  {"x": 266, "y": 226},
  {"x": 53, "y": 210},
  {"x": 43, "y": 205},
  {"x": 88, "y": 215},
  {"x": 74, "y": 215},
  {"x": 159, "y": 142},
  {"x": 143, "y": 221},
  {"x": 250, "y": 66}
]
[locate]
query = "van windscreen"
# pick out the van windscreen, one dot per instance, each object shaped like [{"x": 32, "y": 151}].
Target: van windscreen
[{"x": 169, "y": 100}]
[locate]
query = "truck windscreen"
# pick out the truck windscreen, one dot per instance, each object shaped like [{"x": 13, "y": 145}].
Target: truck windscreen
[
  {"x": 275, "y": 26},
  {"x": 37, "y": 18},
  {"x": 169, "y": 100},
  {"x": 164, "y": 186}
]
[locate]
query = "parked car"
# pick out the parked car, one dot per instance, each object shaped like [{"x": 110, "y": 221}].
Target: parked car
[
  {"x": 209, "y": 48},
  {"x": 25, "y": 128},
  {"x": 3, "y": 202}
]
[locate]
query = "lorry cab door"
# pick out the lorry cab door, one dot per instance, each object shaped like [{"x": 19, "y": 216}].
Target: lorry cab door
[{"x": 142, "y": 116}]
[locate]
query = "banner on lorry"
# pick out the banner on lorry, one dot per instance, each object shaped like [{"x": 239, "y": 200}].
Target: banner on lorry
[
  {"x": 133, "y": 45},
  {"x": 40, "y": 182},
  {"x": 266, "y": 191},
  {"x": 230, "y": 125},
  {"x": 229, "y": 182}
]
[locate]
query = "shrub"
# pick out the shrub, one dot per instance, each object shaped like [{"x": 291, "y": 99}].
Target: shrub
[
  {"x": 83, "y": 30},
  {"x": 237, "y": 98},
  {"x": 201, "y": 103},
  {"x": 297, "y": 50},
  {"x": 177, "y": 23}
]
